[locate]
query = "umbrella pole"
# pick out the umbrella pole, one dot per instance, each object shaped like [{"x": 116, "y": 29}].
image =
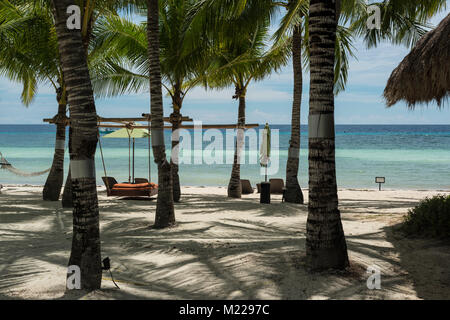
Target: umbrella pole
[
  {"x": 133, "y": 160},
  {"x": 266, "y": 173}
]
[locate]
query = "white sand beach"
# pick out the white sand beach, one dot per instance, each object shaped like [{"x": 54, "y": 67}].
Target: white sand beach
[{"x": 220, "y": 249}]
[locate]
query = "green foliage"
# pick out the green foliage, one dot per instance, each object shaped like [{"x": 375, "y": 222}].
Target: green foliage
[
  {"x": 244, "y": 54},
  {"x": 122, "y": 46},
  {"x": 430, "y": 218},
  {"x": 403, "y": 22},
  {"x": 28, "y": 47}
]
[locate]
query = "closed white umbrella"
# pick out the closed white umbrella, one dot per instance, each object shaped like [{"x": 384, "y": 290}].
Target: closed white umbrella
[{"x": 264, "y": 152}]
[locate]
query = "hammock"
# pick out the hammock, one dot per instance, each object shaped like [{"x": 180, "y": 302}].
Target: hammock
[{"x": 7, "y": 166}]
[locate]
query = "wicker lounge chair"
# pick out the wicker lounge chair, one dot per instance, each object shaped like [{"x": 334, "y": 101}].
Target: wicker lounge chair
[
  {"x": 276, "y": 186},
  {"x": 246, "y": 187}
]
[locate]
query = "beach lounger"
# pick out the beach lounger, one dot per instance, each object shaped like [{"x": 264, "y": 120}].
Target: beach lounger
[
  {"x": 246, "y": 187},
  {"x": 114, "y": 189},
  {"x": 140, "y": 180},
  {"x": 276, "y": 186}
]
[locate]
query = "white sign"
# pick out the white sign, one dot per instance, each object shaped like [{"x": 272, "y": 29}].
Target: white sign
[{"x": 380, "y": 180}]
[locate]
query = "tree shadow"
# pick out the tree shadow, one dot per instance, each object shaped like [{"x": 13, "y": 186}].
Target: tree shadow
[
  {"x": 427, "y": 261},
  {"x": 234, "y": 254}
]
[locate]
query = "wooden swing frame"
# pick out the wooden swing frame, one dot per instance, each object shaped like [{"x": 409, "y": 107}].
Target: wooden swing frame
[{"x": 139, "y": 190}]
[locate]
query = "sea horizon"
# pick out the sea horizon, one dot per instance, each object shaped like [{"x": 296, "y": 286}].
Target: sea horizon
[{"x": 411, "y": 157}]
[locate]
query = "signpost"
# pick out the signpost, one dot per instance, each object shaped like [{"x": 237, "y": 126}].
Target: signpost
[{"x": 380, "y": 180}]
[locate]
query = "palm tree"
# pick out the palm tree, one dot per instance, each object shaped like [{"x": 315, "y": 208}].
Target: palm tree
[
  {"x": 294, "y": 24},
  {"x": 239, "y": 60},
  {"x": 28, "y": 55},
  {"x": 325, "y": 244},
  {"x": 91, "y": 11},
  {"x": 293, "y": 192},
  {"x": 183, "y": 62},
  {"x": 325, "y": 240},
  {"x": 85, "y": 251},
  {"x": 402, "y": 22},
  {"x": 165, "y": 212},
  {"x": 182, "y": 57},
  {"x": 405, "y": 25},
  {"x": 292, "y": 20}
]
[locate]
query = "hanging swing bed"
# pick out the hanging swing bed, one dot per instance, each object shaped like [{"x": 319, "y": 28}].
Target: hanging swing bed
[{"x": 135, "y": 187}]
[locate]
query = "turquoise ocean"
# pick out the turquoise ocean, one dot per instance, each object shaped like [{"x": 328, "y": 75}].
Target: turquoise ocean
[{"x": 409, "y": 156}]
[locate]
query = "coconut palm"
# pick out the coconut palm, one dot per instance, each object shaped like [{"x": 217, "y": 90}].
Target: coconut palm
[
  {"x": 294, "y": 24},
  {"x": 183, "y": 57},
  {"x": 165, "y": 212},
  {"x": 325, "y": 240},
  {"x": 91, "y": 11},
  {"x": 402, "y": 22},
  {"x": 292, "y": 21},
  {"x": 406, "y": 24},
  {"x": 405, "y": 28},
  {"x": 85, "y": 251},
  {"x": 28, "y": 54},
  {"x": 238, "y": 61}
]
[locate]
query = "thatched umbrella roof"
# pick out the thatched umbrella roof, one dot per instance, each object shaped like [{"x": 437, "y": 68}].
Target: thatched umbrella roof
[{"x": 424, "y": 75}]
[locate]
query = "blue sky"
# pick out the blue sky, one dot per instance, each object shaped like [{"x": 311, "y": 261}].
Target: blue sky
[{"x": 267, "y": 101}]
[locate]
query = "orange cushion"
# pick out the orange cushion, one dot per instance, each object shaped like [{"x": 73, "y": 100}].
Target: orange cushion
[
  {"x": 131, "y": 189},
  {"x": 130, "y": 185},
  {"x": 134, "y": 186},
  {"x": 139, "y": 186}
]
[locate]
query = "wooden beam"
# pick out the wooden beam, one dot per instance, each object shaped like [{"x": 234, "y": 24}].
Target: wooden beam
[
  {"x": 123, "y": 126},
  {"x": 167, "y": 119},
  {"x": 145, "y": 118},
  {"x": 220, "y": 126},
  {"x": 205, "y": 126},
  {"x": 121, "y": 120}
]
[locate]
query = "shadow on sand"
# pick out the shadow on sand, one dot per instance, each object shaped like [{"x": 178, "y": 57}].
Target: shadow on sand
[
  {"x": 427, "y": 261},
  {"x": 245, "y": 251}
]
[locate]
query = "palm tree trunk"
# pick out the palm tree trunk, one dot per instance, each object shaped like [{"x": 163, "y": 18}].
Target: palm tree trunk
[
  {"x": 53, "y": 184},
  {"x": 67, "y": 198},
  {"x": 165, "y": 212},
  {"x": 234, "y": 186},
  {"x": 294, "y": 193},
  {"x": 325, "y": 241},
  {"x": 176, "y": 121},
  {"x": 85, "y": 251}
]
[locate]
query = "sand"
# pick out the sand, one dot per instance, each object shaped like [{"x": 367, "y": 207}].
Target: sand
[{"x": 220, "y": 249}]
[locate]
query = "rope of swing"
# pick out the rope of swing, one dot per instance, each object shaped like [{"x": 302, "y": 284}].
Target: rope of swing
[
  {"x": 103, "y": 159},
  {"x": 149, "y": 154}
]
